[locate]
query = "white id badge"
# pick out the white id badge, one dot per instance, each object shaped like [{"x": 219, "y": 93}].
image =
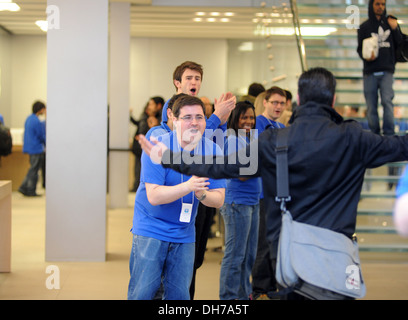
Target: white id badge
[{"x": 185, "y": 214}]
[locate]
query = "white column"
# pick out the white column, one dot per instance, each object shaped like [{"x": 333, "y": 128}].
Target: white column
[
  {"x": 77, "y": 90},
  {"x": 119, "y": 68}
]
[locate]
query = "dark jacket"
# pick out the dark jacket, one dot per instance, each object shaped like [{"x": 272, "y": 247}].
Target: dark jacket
[
  {"x": 327, "y": 160},
  {"x": 387, "y": 42}
]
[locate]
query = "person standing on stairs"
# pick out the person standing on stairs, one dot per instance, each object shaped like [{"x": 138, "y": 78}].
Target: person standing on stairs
[{"x": 378, "y": 71}]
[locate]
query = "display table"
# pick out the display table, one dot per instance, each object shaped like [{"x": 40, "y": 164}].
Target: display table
[{"x": 5, "y": 226}]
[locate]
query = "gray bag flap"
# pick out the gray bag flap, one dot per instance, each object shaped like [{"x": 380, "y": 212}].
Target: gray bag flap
[{"x": 326, "y": 259}]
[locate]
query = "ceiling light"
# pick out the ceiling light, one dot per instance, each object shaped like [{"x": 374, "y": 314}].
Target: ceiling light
[
  {"x": 7, "y": 5},
  {"x": 198, "y": 19},
  {"x": 246, "y": 46},
  {"x": 200, "y": 13},
  {"x": 317, "y": 31},
  {"x": 211, "y": 19},
  {"x": 43, "y": 24},
  {"x": 215, "y": 14},
  {"x": 225, "y": 20},
  {"x": 229, "y": 14}
]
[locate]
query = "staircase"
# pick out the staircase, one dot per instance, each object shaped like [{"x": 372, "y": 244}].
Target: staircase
[{"x": 337, "y": 52}]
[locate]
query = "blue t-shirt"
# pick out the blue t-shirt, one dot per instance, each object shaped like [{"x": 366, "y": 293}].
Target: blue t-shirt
[
  {"x": 34, "y": 135},
  {"x": 241, "y": 192},
  {"x": 402, "y": 187},
  {"x": 163, "y": 221},
  {"x": 261, "y": 123}
]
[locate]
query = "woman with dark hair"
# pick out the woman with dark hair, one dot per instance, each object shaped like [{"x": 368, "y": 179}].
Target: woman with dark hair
[{"x": 240, "y": 212}]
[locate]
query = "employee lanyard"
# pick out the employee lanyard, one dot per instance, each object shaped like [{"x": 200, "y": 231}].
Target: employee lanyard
[{"x": 276, "y": 125}]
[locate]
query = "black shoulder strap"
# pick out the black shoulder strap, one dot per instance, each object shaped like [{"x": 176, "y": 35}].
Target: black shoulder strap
[{"x": 282, "y": 172}]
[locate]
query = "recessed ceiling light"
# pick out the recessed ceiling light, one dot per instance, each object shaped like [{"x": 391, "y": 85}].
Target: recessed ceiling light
[
  {"x": 200, "y": 13},
  {"x": 215, "y": 14},
  {"x": 211, "y": 19},
  {"x": 7, "y": 5},
  {"x": 198, "y": 19},
  {"x": 225, "y": 20},
  {"x": 43, "y": 24},
  {"x": 229, "y": 14}
]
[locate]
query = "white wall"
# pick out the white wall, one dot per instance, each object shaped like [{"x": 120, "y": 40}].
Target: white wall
[
  {"x": 153, "y": 61},
  {"x": 5, "y": 77},
  {"x": 28, "y": 76}
]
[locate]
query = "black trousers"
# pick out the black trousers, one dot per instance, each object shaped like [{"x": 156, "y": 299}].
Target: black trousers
[
  {"x": 204, "y": 220},
  {"x": 263, "y": 276}
]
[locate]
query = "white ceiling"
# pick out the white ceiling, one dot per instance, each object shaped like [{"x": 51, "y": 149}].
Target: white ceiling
[{"x": 175, "y": 21}]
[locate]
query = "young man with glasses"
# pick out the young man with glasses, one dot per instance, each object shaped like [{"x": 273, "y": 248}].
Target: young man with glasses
[
  {"x": 274, "y": 103},
  {"x": 166, "y": 207}
]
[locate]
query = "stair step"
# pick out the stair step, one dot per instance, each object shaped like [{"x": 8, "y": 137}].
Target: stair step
[
  {"x": 374, "y": 212},
  {"x": 382, "y": 178},
  {"x": 383, "y": 247},
  {"x": 375, "y": 229},
  {"x": 388, "y": 195}
]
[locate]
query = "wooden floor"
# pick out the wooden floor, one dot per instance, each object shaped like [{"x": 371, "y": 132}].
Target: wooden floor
[{"x": 386, "y": 276}]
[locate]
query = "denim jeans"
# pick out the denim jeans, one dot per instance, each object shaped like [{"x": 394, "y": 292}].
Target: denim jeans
[
  {"x": 374, "y": 82},
  {"x": 241, "y": 239},
  {"x": 153, "y": 261},
  {"x": 29, "y": 183}
]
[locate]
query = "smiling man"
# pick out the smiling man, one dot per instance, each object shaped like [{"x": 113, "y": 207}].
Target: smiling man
[{"x": 166, "y": 207}]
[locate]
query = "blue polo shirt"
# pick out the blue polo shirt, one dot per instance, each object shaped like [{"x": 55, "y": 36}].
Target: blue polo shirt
[{"x": 162, "y": 222}]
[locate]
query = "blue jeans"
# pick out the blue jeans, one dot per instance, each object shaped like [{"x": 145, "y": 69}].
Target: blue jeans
[
  {"x": 241, "y": 240},
  {"x": 29, "y": 184},
  {"x": 153, "y": 261},
  {"x": 383, "y": 82}
]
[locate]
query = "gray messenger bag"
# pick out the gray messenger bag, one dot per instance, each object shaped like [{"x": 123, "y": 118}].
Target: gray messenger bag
[{"x": 315, "y": 262}]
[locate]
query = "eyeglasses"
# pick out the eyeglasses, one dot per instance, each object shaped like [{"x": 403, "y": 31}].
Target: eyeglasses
[
  {"x": 190, "y": 118},
  {"x": 275, "y": 103}
]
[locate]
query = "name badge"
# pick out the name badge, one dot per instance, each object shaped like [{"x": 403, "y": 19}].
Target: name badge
[{"x": 185, "y": 214}]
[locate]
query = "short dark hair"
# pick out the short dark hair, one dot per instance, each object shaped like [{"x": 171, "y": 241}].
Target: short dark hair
[
  {"x": 38, "y": 106},
  {"x": 317, "y": 85},
  {"x": 240, "y": 108},
  {"x": 274, "y": 90},
  {"x": 186, "y": 100},
  {"x": 288, "y": 95},
  {"x": 255, "y": 89},
  {"x": 178, "y": 72},
  {"x": 173, "y": 99}
]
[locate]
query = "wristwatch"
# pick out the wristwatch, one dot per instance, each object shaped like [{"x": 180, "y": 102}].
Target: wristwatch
[{"x": 203, "y": 196}]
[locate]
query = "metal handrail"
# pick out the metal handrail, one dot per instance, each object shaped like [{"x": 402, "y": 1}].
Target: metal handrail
[{"x": 298, "y": 35}]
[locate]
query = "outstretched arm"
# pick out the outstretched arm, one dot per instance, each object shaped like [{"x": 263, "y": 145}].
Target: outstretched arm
[{"x": 216, "y": 167}]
